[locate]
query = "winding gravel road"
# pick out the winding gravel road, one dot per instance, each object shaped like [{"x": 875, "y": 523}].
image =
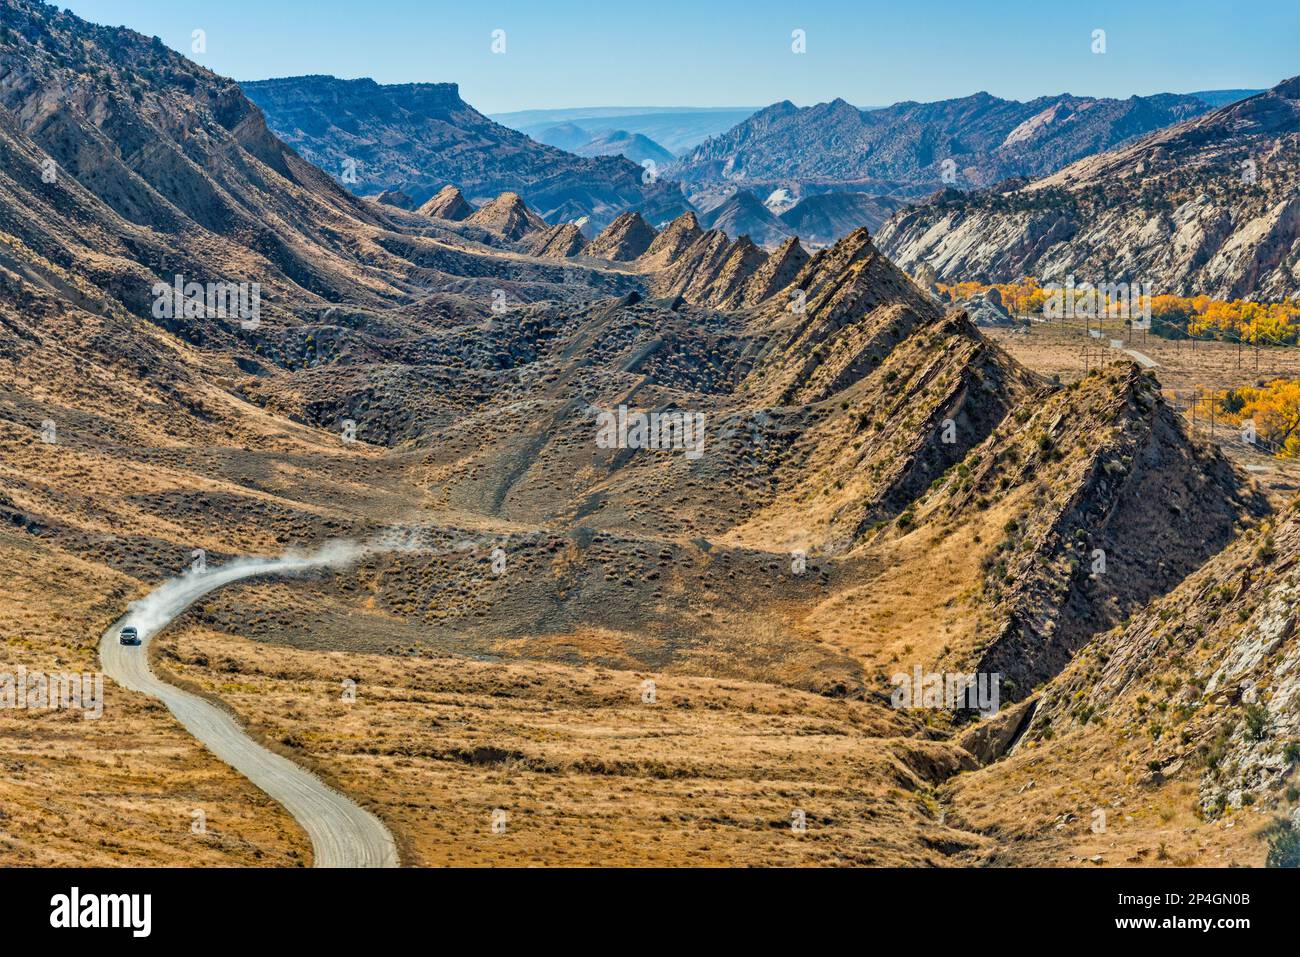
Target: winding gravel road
[{"x": 342, "y": 833}]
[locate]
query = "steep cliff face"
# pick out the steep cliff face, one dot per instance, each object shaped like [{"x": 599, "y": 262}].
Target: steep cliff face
[
  {"x": 128, "y": 163},
  {"x": 1208, "y": 206},
  {"x": 1171, "y": 739},
  {"x": 418, "y": 137},
  {"x": 1207, "y": 679}
]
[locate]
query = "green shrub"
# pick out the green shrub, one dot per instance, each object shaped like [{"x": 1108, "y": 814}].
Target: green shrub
[
  {"x": 1284, "y": 847},
  {"x": 1256, "y": 721}
]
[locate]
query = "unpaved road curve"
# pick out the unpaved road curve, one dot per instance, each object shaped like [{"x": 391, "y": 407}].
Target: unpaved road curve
[
  {"x": 1146, "y": 360},
  {"x": 342, "y": 833}
]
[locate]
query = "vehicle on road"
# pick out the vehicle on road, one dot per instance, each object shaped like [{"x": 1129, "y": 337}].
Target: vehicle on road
[{"x": 130, "y": 635}]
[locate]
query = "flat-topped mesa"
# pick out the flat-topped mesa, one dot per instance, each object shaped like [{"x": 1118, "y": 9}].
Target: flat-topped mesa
[
  {"x": 777, "y": 272},
  {"x": 323, "y": 90},
  {"x": 623, "y": 240},
  {"x": 447, "y": 203},
  {"x": 672, "y": 242},
  {"x": 508, "y": 216},
  {"x": 556, "y": 242}
]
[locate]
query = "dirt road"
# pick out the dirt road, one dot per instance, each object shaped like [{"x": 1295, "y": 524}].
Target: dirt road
[{"x": 342, "y": 833}]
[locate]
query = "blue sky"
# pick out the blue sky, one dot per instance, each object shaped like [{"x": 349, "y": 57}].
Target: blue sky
[{"x": 565, "y": 53}]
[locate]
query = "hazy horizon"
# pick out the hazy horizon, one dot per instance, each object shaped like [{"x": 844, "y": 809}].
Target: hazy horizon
[{"x": 868, "y": 54}]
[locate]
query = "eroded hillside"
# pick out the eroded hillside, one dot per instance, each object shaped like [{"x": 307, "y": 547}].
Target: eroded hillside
[
  {"x": 649, "y": 649},
  {"x": 1204, "y": 207}
]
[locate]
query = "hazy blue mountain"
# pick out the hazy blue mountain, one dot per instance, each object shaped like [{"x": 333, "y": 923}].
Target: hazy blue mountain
[
  {"x": 823, "y": 218},
  {"x": 565, "y": 136},
  {"x": 744, "y": 214},
  {"x": 634, "y": 146},
  {"x": 1218, "y": 98},
  {"x": 676, "y": 129}
]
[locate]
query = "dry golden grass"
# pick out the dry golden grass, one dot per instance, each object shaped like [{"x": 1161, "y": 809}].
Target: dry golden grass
[
  {"x": 708, "y": 774},
  {"x": 117, "y": 504},
  {"x": 1040, "y": 806},
  {"x": 120, "y": 790},
  {"x": 546, "y": 723},
  {"x": 1056, "y": 349},
  {"x": 917, "y": 604}
]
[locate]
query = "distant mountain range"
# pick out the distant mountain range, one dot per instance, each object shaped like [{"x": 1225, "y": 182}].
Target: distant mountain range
[
  {"x": 418, "y": 137},
  {"x": 585, "y": 165},
  {"x": 914, "y": 148},
  {"x": 676, "y": 129},
  {"x": 1218, "y": 98},
  {"x": 633, "y": 146},
  {"x": 822, "y": 218},
  {"x": 1207, "y": 206}
]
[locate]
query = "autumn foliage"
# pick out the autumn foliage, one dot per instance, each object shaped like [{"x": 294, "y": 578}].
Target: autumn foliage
[
  {"x": 1274, "y": 408},
  {"x": 1238, "y": 320}
]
